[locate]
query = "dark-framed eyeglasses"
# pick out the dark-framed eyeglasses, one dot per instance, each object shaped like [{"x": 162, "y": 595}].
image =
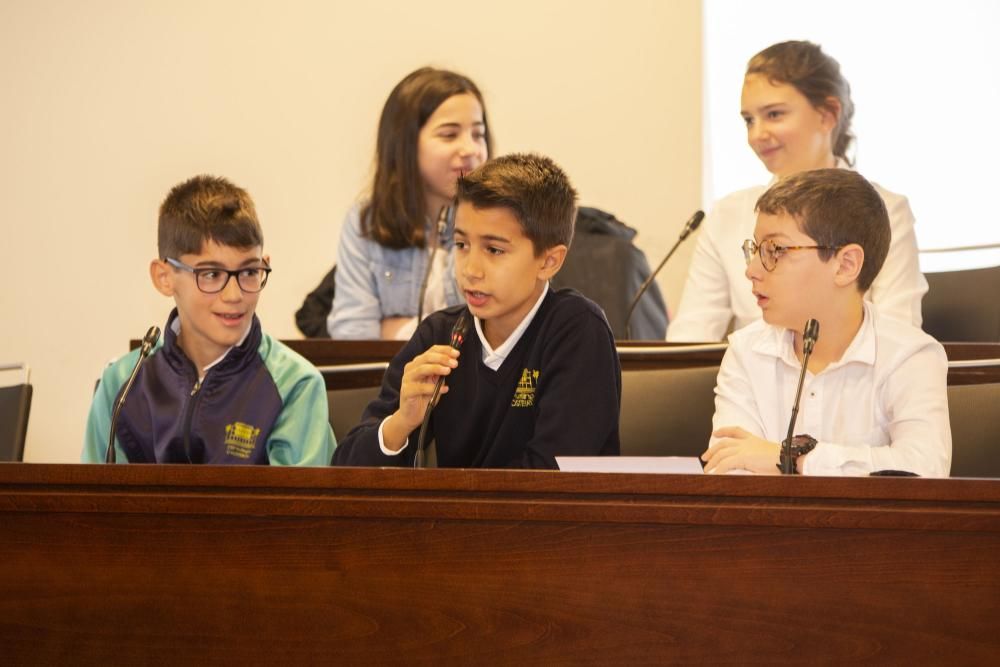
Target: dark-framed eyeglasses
[
  {"x": 770, "y": 252},
  {"x": 212, "y": 280}
]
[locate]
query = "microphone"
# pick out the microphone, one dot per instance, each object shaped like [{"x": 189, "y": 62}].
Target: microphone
[
  {"x": 689, "y": 226},
  {"x": 809, "y": 337},
  {"x": 457, "y": 338},
  {"x": 442, "y": 224},
  {"x": 148, "y": 341}
]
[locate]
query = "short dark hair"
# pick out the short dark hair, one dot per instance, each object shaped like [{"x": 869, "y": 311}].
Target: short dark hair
[
  {"x": 206, "y": 208},
  {"x": 816, "y": 75},
  {"x": 835, "y": 207},
  {"x": 396, "y": 213},
  {"x": 535, "y": 190}
]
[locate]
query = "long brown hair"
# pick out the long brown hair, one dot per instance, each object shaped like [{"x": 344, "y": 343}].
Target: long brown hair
[
  {"x": 814, "y": 74},
  {"x": 395, "y": 215}
]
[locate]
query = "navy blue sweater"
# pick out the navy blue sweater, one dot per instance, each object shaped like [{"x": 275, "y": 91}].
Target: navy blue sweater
[{"x": 558, "y": 393}]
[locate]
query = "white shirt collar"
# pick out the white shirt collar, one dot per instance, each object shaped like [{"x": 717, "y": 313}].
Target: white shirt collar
[
  {"x": 494, "y": 358},
  {"x": 779, "y": 342},
  {"x": 176, "y": 328}
]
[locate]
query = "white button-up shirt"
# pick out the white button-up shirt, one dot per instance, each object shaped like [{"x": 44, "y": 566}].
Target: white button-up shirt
[{"x": 882, "y": 406}]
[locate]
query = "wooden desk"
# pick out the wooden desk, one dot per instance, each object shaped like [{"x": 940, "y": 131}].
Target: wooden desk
[{"x": 190, "y": 564}]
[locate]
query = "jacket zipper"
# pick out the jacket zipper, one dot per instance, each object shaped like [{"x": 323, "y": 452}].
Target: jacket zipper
[{"x": 188, "y": 417}]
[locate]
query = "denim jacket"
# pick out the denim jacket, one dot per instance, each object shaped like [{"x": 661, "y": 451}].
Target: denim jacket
[{"x": 375, "y": 282}]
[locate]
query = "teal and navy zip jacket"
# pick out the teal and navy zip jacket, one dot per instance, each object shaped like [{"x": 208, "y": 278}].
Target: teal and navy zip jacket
[{"x": 262, "y": 403}]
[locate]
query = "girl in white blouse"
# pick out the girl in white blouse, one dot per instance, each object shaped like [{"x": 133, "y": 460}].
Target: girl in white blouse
[{"x": 797, "y": 108}]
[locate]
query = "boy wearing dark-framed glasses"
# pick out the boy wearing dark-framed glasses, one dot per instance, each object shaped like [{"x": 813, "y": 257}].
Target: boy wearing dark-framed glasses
[
  {"x": 215, "y": 389},
  {"x": 875, "y": 392}
]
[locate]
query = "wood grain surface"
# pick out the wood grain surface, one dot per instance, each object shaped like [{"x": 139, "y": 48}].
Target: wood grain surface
[{"x": 201, "y": 564}]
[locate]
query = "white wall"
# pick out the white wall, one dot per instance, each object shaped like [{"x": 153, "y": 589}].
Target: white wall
[
  {"x": 925, "y": 80},
  {"x": 105, "y": 105}
]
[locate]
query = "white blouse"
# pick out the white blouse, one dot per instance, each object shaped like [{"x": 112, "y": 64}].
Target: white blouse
[{"x": 717, "y": 291}]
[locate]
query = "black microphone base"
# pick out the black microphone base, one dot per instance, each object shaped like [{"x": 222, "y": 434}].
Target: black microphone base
[{"x": 786, "y": 464}]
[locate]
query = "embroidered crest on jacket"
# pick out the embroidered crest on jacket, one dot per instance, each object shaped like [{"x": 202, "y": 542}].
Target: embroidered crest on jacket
[
  {"x": 241, "y": 439},
  {"x": 524, "y": 395}
]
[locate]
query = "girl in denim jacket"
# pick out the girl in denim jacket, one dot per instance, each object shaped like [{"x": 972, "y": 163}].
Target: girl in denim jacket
[{"x": 396, "y": 245}]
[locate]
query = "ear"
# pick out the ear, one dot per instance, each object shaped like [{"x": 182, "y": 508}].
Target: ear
[
  {"x": 552, "y": 261},
  {"x": 849, "y": 261},
  {"x": 162, "y": 276},
  {"x": 830, "y": 111}
]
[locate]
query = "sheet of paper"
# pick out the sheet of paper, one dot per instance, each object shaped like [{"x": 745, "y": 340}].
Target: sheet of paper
[{"x": 677, "y": 465}]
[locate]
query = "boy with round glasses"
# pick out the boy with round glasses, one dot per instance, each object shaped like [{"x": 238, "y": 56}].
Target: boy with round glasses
[
  {"x": 875, "y": 390},
  {"x": 216, "y": 389}
]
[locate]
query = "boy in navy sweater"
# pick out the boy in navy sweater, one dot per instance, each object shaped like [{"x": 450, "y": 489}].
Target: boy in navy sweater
[{"x": 537, "y": 376}]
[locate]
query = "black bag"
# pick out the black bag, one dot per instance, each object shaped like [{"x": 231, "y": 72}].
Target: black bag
[
  {"x": 311, "y": 317},
  {"x": 603, "y": 265}
]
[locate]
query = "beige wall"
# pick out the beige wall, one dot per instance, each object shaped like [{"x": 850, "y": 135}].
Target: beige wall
[{"x": 107, "y": 104}]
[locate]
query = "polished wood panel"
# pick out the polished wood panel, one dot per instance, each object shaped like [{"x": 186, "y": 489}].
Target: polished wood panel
[{"x": 188, "y": 564}]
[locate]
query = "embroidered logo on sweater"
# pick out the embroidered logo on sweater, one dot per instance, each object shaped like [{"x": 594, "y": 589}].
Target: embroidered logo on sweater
[
  {"x": 241, "y": 439},
  {"x": 524, "y": 395}
]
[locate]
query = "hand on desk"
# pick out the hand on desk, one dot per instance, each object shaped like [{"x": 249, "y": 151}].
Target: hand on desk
[{"x": 739, "y": 449}]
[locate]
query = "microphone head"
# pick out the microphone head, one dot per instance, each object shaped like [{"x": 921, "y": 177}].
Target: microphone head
[
  {"x": 692, "y": 223},
  {"x": 810, "y": 335},
  {"x": 458, "y": 331},
  {"x": 149, "y": 340},
  {"x": 696, "y": 219}
]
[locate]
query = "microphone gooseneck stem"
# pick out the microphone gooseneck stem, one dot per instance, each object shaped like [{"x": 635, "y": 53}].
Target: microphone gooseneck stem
[
  {"x": 148, "y": 341},
  {"x": 457, "y": 338},
  {"x": 418, "y": 458},
  {"x": 809, "y": 337},
  {"x": 787, "y": 465},
  {"x": 645, "y": 286},
  {"x": 691, "y": 225},
  {"x": 111, "y": 456},
  {"x": 442, "y": 225}
]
